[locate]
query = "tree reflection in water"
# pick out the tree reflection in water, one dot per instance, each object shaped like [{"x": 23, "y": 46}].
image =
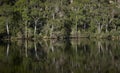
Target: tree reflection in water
[{"x": 63, "y": 56}]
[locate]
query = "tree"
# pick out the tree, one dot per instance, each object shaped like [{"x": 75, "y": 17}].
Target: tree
[
  {"x": 6, "y": 15},
  {"x": 37, "y": 13},
  {"x": 21, "y": 6}
]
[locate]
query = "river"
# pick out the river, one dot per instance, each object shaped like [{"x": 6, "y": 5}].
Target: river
[{"x": 60, "y": 56}]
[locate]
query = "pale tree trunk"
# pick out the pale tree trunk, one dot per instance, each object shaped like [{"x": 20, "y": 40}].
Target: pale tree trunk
[
  {"x": 52, "y": 27},
  {"x": 106, "y": 28},
  {"x": 35, "y": 27},
  {"x": 7, "y": 28},
  {"x": 35, "y": 31},
  {"x": 109, "y": 23},
  {"x": 26, "y": 34},
  {"x": 99, "y": 28},
  {"x": 76, "y": 28},
  {"x": 51, "y": 32}
]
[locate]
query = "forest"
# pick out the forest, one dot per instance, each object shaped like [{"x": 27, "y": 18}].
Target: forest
[{"x": 30, "y": 19}]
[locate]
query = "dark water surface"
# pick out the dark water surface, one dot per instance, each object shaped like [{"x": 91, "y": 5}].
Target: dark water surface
[{"x": 66, "y": 56}]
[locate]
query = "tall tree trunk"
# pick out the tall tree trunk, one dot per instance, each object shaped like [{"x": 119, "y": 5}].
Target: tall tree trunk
[
  {"x": 7, "y": 28},
  {"x": 106, "y": 28},
  {"x": 35, "y": 31},
  {"x": 99, "y": 28},
  {"x": 26, "y": 34},
  {"x": 35, "y": 28},
  {"x": 76, "y": 28},
  {"x": 51, "y": 32},
  {"x": 52, "y": 27}
]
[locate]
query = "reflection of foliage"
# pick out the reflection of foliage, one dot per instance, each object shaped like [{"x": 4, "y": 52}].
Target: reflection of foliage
[{"x": 62, "y": 56}]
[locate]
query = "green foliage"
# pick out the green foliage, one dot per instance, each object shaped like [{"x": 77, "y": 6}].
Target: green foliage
[{"x": 59, "y": 18}]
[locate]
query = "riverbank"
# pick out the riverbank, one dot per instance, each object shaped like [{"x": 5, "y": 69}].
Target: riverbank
[{"x": 89, "y": 36}]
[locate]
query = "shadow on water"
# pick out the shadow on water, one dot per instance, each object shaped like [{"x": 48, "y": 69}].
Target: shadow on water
[{"x": 63, "y": 56}]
